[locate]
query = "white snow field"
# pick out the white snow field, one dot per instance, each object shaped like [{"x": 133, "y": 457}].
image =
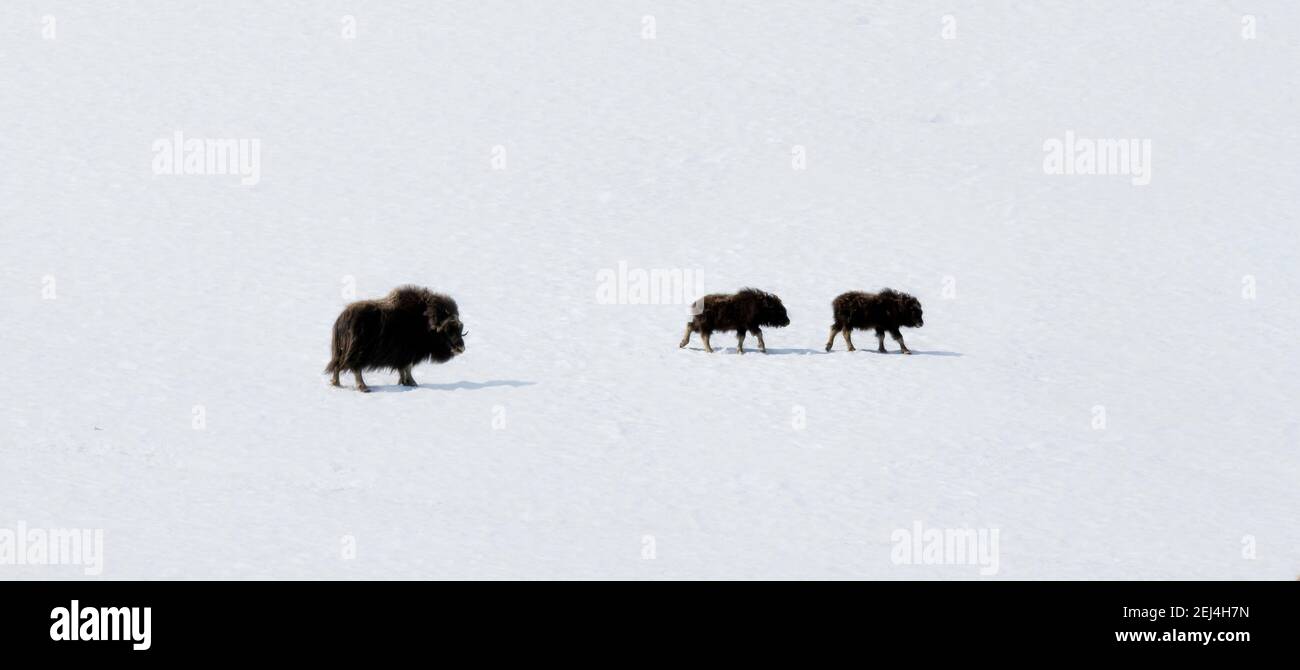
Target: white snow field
[{"x": 1107, "y": 376}]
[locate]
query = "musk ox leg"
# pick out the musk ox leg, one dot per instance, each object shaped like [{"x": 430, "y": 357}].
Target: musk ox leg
[
  {"x": 704, "y": 335},
  {"x": 740, "y": 341},
  {"x": 830, "y": 341},
  {"x": 405, "y": 377},
  {"x": 334, "y": 378},
  {"x": 686, "y": 339},
  {"x": 898, "y": 337},
  {"x": 762, "y": 346},
  {"x": 361, "y": 383},
  {"x": 880, "y": 339},
  {"x": 848, "y": 338}
]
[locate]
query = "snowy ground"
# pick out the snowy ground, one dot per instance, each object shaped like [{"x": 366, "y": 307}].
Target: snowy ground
[{"x": 1094, "y": 379}]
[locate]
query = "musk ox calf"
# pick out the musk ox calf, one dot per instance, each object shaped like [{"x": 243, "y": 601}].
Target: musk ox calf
[
  {"x": 406, "y": 327},
  {"x": 888, "y": 310},
  {"x": 743, "y": 311}
]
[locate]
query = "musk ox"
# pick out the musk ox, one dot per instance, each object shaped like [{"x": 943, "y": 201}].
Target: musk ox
[
  {"x": 743, "y": 311},
  {"x": 888, "y": 310},
  {"x": 406, "y": 327}
]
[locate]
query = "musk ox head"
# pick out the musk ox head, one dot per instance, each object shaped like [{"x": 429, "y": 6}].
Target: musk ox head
[
  {"x": 768, "y": 310},
  {"x": 454, "y": 331},
  {"x": 907, "y": 309},
  {"x": 444, "y": 323}
]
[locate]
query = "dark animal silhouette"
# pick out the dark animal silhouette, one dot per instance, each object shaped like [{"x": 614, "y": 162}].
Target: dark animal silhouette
[
  {"x": 408, "y": 326},
  {"x": 888, "y": 310},
  {"x": 743, "y": 311}
]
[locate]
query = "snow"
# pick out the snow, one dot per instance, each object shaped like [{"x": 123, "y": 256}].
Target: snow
[{"x": 573, "y": 439}]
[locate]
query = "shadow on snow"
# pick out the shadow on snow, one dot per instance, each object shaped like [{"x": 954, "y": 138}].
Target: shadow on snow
[{"x": 453, "y": 386}]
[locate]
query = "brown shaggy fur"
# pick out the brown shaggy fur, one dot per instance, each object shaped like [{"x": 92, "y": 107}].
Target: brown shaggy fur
[
  {"x": 743, "y": 311},
  {"x": 408, "y": 326},
  {"x": 888, "y": 310}
]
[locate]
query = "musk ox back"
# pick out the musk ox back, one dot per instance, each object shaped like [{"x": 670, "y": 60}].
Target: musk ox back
[
  {"x": 408, "y": 326},
  {"x": 888, "y": 310},
  {"x": 744, "y": 311}
]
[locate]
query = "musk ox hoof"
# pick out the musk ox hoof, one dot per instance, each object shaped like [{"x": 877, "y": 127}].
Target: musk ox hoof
[
  {"x": 411, "y": 384},
  {"x": 905, "y": 351},
  {"x": 364, "y": 389}
]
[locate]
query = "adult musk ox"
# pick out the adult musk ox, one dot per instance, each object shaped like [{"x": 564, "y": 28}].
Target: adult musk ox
[
  {"x": 888, "y": 310},
  {"x": 406, "y": 327},
  {"x": 743, "y": 311}
]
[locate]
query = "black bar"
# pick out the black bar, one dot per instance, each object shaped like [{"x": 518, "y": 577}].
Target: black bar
[{"x": 207, "y": 620}]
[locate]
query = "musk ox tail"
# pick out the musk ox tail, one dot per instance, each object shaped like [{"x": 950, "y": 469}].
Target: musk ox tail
[{"x": 339, "y": 347}]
